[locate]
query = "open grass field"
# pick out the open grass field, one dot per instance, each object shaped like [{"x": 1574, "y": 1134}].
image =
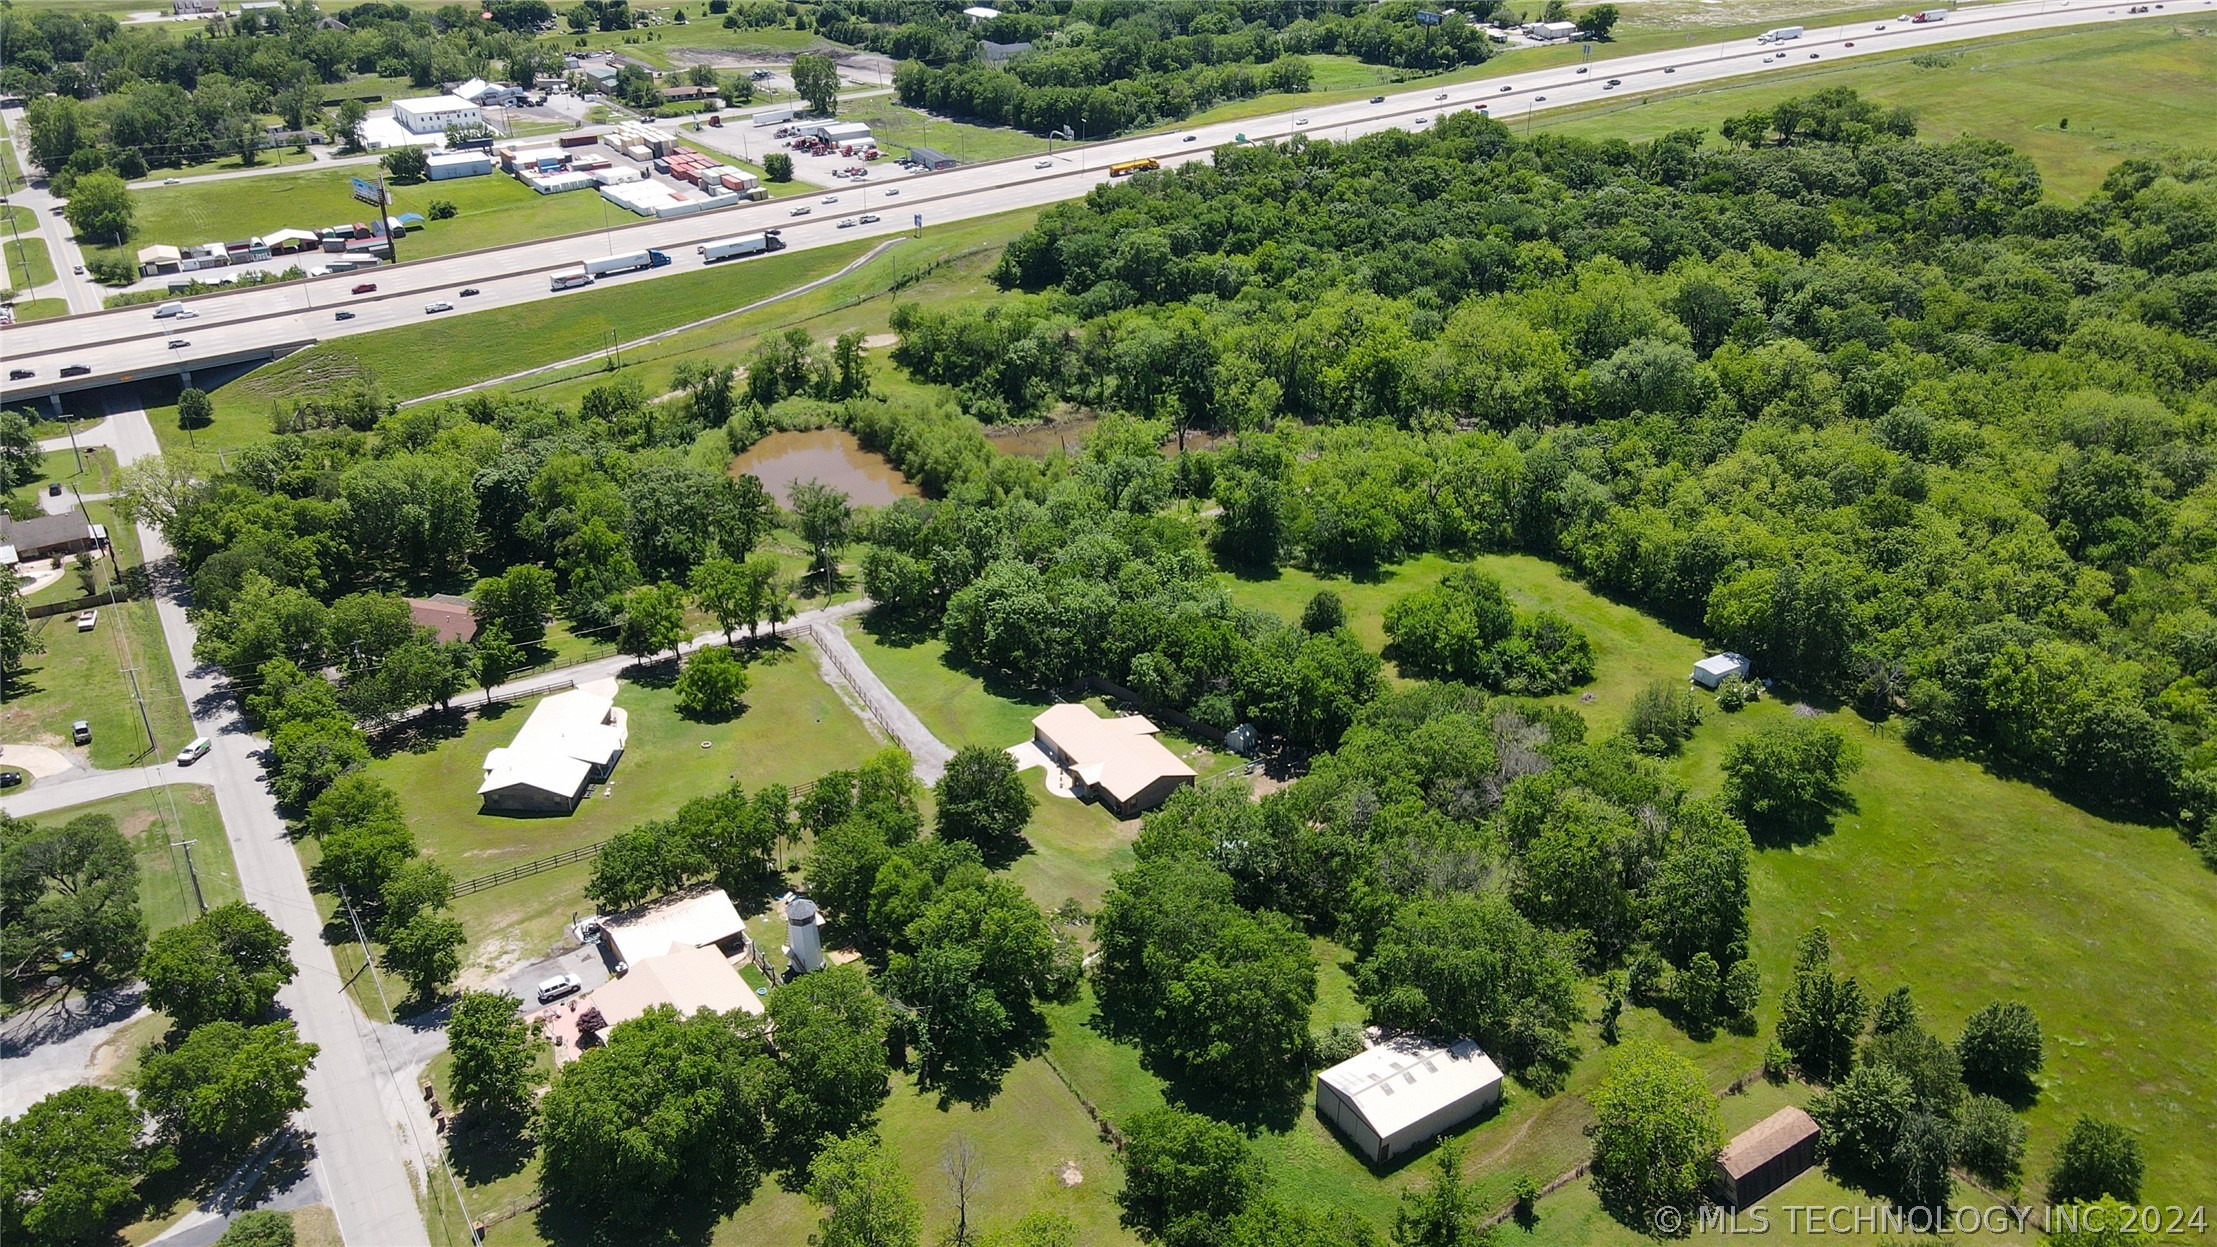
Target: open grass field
[
  {"x": 1965, "y": 887},
  {"x": 40, "y": 309},
  {"x": 28, "y": 263},
  {"x": 424, "y": 359},
  {"x": 154, "y": 820},
  {"x": 2039, "y": 93},
  {"x": 82, "y": 675},
  {"x": 794, "y": 729},
  {"x": 494, "y": 210},
  {"x": 266, "y": 158},
  {"x": 904, "y": 128},
  {"x": 668, "y": 46}
]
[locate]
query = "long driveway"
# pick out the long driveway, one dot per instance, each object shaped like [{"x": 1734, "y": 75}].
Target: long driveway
[{"x": 128, "y": 343}]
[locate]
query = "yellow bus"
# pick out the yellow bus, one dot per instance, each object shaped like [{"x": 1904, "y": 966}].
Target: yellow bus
[{"x": 1124, "y": 167}]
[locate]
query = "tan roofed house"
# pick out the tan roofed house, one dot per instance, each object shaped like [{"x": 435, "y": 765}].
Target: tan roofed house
[
  {"x": 1116, "y": 761},
  {"x": 686, "y": 979},
  {"x": 1398, "y": 1095},
  {"x": 445, "y": 614},
  {"x": 571, "y": 741},
  {"x": 699, "y": 917},
  {"x": 1766, "y": 1156}
]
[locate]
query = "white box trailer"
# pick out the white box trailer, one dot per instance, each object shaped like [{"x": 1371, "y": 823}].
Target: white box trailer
[
  {"x": 625, "y": 262},
  {"x": 1779, "y": 35},
  {"x": 726, "y": 248}
]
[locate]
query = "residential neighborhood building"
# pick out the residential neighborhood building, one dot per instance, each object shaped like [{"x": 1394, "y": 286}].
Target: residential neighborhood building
[
  {"x": 687, "y": 979},
  {"x": 1766, "y": 1156},
  {"x": 446, "y": 614},
  {"x": 1115, "y": 761},
  {"x": 47, "y": 537},
  {"x": 571, "y": 741},
  {"x": 1397, "y": 1096}
]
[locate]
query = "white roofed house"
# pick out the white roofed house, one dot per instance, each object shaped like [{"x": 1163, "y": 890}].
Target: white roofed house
[
  {"x": 697, "y": 917},
  {"x": 571, "y": 741},
  {"x": 1116, "y": 761},
  {"x": 1397, "y": 1096}
]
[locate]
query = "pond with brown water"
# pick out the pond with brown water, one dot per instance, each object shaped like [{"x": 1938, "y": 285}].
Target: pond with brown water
[{"x": 833, "y": 456}]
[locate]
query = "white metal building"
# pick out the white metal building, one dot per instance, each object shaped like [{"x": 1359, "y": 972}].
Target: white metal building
[
  {"x": 571, "y": 741},
  {"x": 698, "y": 917},
  {"x": 1401, "y": 1093},
  {"x": 1717, "y": 668},
  {"x": 1552, "y": 32},
  {"x": 445, "y": 165},
  {"x": 436, "y": 114},
  {"x": 836, "y": 131}
]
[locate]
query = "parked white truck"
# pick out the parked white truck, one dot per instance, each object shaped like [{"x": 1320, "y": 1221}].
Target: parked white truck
[{"x": 1779, "y": 35}]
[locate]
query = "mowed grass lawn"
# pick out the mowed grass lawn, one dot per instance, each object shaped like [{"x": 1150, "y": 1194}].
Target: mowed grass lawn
[
  {"x": 493, "y": 210},
  {"x": 427, "y": 359},
  {"x": 2076, "y": 102},
  {"x": 154, "y": 821},
  {"x": 794, "y": 729},
  {"x": 28, "y": 263},
  {"x": 82, "y": 676}
]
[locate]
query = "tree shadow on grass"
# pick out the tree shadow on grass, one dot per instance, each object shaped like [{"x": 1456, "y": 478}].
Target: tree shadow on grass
[
  {"x": 976, "y": 1085},
  {"x": 486, "y": 1147},
  {"x": 897, "y": 631},
  {"x": 423, "y": 733},
  {"x": 563, "y": 1221},
  {"x": 657, "y": 673}
]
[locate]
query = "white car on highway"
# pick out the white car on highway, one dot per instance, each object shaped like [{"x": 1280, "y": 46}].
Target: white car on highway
[
  {"x": 846, "y": 222},
  {"x": 829, "y": 199},
  {"x": 441, "y": 306},
  {"x": 800, "y": 210},
  {"x": 1043, "y": 164}
]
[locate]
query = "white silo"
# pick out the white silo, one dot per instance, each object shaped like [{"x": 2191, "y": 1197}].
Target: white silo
[{"x": 802, "y": 944}]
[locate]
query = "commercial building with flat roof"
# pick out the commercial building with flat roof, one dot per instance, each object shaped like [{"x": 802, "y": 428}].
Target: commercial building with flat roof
[
  {"x": 1116, "y": 761},
  {"x": 436, "y": 114},
  {"x": 1398, "y": 1095}
]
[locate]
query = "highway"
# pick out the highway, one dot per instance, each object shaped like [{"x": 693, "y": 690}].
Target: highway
[{"x": 129, "y": 343}]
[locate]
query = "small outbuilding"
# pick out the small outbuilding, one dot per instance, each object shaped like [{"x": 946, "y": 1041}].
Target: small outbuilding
[
  {"x": 931, "y": 158},
  {"x": 1116, "y": 761},
  {"x": 1717, "y": 668},
  {"x": 698, "y": 917},
  {"x": 1766, "y": 1156},
  {"x": 1397, "y": 1096}
]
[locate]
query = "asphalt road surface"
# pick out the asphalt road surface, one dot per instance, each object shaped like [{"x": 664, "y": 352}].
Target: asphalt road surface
[{"x": 131, "y": 342}]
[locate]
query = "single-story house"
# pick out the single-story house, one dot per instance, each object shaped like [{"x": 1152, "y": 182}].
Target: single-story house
[
  {"x": 446, "y": 614},
  {"x": 1116, "y": 761},
  {"x": 1717, "y": 668},
  {"x": 1766, "y": 1156},
  {"x": 931, "y": 158},
  {"x": 49, "y": 536},
  {"x": 571, "y": 741},
  {"x": 686, "y": 979},
  {"x": 698, "y": 917},
  {"x": 1398, "y": 1095},
  {"x": 687, "y": 94}
]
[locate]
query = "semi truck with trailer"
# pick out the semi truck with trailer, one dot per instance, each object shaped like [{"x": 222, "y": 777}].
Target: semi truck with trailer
[
  {"x": 742, "y": 245},
  {"x": 1929, "y": 15},
  {"x": 1779, "y": 35},
  {"x": 625, "y": 262},
  {"x": 571, "y": 279}
]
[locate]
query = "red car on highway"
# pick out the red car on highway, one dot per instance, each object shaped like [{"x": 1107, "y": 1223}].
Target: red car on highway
[{"x": 366, "y": 287}]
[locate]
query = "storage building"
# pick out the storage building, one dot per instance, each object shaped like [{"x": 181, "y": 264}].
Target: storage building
[
  {"x": 1717, "y": 668},
  {"x": 931, "y": 158},
  {"x": 697, "y": 917},
  {"x": 1552, "y": 32},
  {"x": 835, "y": 131},
  {"x": 445, "y": 165},
  {"x": 571, "y": 741},
  {"x": 1398, "y": 1095},
  {"x": 1117, "y": 762},
  {"x": 1766, "y": 1156},
  {"x": 686, "y": 979}
]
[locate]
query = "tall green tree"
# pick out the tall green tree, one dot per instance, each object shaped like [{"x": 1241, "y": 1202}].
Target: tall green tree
[
  {"x": 1786, "y": 780},
  {"x": 816, "y": 79},
  {"x": 826, "y": 520},
  {"x": 1185, "y": 1175},
  {"x": 1444, "y": 1212},
  {"x": 2098, "y": 1158},
  {"x": 1656, "y": 1130},
  {"x": 226, "y": 965},
  {"x": 70, "y": 1167},
  {"x": 100, "y": 208},
  {"x": 868, "y": 1201},
  {"x": 69, "y": 904},
  {"x": 1822, "y": 1012},
  {"x": 226, "y": 1087},
  {"x": 653, "y": 621},
  {"x": 494, "y": 1052},
  {"x": 426, "y": 951},
  {"x": 981, "y": 798}
]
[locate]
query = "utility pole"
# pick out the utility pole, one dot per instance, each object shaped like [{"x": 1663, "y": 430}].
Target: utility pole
[
  {"x": 145, "y": 720},
  {"x": 369, "y": 963},
  {"x": 186, "y": 845}
]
